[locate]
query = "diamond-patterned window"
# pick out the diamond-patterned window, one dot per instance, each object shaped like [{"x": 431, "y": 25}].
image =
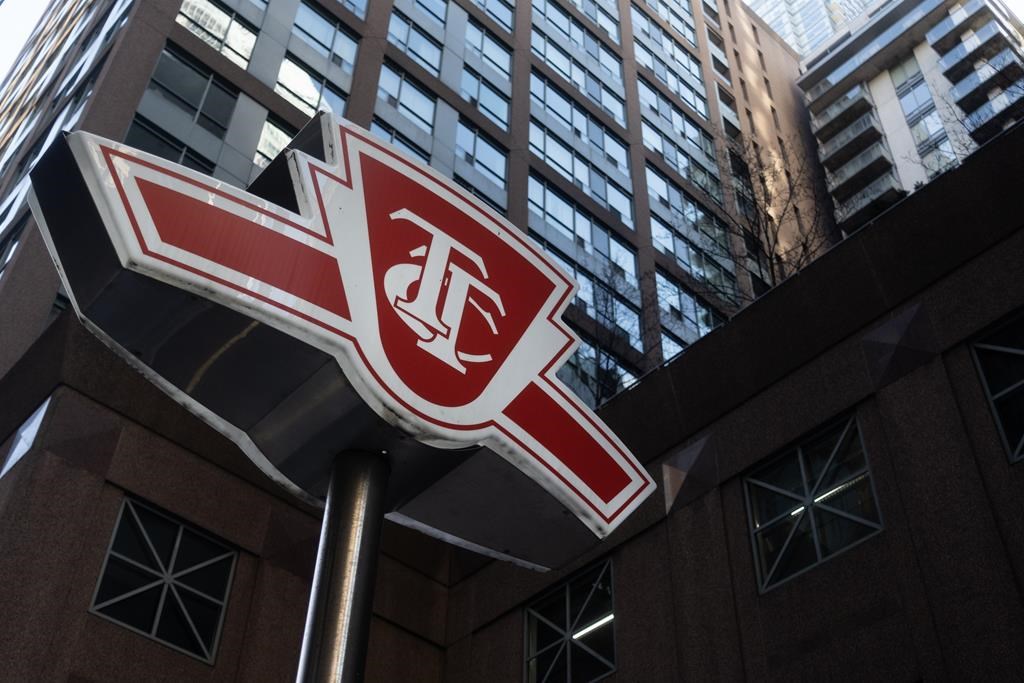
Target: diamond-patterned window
[
  {"x": 813, "y": 501},
  {"x": 1000, "y": 358},
  {"x": 165, "y": 580},
  {"x": 569, "y": 631}
]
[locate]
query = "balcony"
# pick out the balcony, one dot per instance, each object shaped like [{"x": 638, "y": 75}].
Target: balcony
[
  {"x": 869, "y": 202},
  {"x": 891, "y": 32},
  {"x": 946, "y": 33},
  {"x": 856, "y": 173},
  {"x": 989, "y": 119},
  {"x": 851, "y": 140},
  {"x": 729, "y": 115},
  {"x": 718, "y": 52},
  {"x": 972, "y": 91},
  {"x": 985, "y": 42},
  {"x": 841, "y": 112}
]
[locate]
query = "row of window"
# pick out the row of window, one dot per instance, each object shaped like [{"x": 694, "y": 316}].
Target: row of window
[
  {"x": 671, "y": 118},
  {"x": 309, "y": 90},
  {"x": 605, "y": 14},
  {"x": 577, "y": 169},
  {"x": 687, "y": 212},
  {"x": 501, "y": 11},
  {"x": 576, "y": 73},
  {"x": 415, "y": 42},
  {"x": 804, "y": 506},
  {"x": 546, "y": 97},
  {"x": 693, "y": 259},
  {"x": 684, "y": 164},
  {"x": 169, "y": 581},
  {"x": 580, "y": 228},
  {"x": 220, "y": 28},
  {"x": 684, "y": 306},
  {"x": 478, "y": 91},
  {"x": 677, "y": 15},
  {"x": 594, "y": 373},
  {"x": 657, "y": 38},
  {"x": 327, "y": 36},
  {"x": 478, "y": 150},
  {"x": 597, "y": 299},
  {"x": 570, "y": 31},
  {"x": 670, "y": 77}
]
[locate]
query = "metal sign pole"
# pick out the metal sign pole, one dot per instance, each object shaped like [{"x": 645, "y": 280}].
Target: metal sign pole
[{"x": 341, "y": 599}]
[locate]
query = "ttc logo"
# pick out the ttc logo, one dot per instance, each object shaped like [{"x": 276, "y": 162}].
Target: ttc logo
[
  {"x": 444, "y": 318},
  {"x": 439, "y": 335}
]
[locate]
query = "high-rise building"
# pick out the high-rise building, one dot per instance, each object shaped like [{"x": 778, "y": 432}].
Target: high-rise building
[
  {"x": 603, "y": 131},
  {"x": 807, "y": 24},
  {"x": 908, "y": 91}
]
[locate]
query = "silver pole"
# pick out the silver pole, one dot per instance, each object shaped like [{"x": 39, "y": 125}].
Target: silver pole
[{"x": 341, "y": 599}]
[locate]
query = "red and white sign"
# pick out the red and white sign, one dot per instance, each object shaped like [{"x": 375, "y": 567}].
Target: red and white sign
[{"x": 444, "y": 317}]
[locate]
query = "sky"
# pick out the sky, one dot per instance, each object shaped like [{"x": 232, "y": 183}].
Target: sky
[{"x": 18, "y": 17}]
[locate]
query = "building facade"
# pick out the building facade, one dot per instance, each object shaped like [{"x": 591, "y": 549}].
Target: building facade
[
  {"x": 807, "y": 24},
  {"x": 603, "y": 131},
  {"x": 842, "y": 501},
  {"x": 908, "y": 92}
]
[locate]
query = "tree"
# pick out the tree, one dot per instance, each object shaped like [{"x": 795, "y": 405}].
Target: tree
[{"x": 781, "y": 218}]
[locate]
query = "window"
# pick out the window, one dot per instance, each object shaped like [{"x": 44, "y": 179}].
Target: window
[
  {"x": 486, "y": 45},
  {"x": 220, "y": 28},
  {"x": 477, "y": 90},
  {"x": 570, "y": 634},
  {"x": 1000, "y": 358},
  {"x": 308, "y": 90},
  {"x": 25, "y": 437},
  {"x": 194, "y": 91},
  {"x": 499, "y": 10},
  {"x": 388, "y": 134},
  {"x": 149, "y": 138},
  {"x": 479, "y": 194},
  {"x": 412, "y": 100},
  {"x": 326, "y": 36},
  {"x": 906, "y": 73},
  {"x": 813, "y": 501},
  {"x": 438, "y": 9},
  {"x": 274, "y": 138},
  {"x": 404, "y": 33},
  {"x": 165, "y": 580},
  {"x": 595, "y": 374},
  {"x": 478, "y": 150},
  {"x": 683, "y": 307},
  {"x": 927, "y": 127},
  {"x": 670, "y": 345},
  {"x": 938, "y": 158},
  {"x": 916, "y": 99}
]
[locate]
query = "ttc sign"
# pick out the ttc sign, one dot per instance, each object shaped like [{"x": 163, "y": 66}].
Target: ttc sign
[{"x": 443, "y": 318}]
